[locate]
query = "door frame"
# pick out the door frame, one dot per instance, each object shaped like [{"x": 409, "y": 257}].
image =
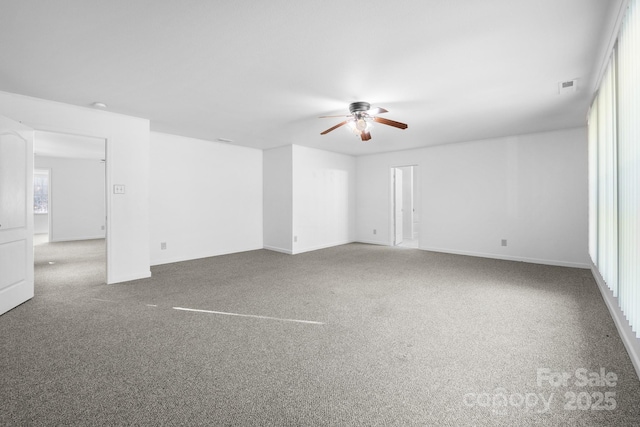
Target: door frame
[
  {"x": 108, "y": 174},
  {"x": 392, "y": 199},
  {"x": 398, "y": 196}
]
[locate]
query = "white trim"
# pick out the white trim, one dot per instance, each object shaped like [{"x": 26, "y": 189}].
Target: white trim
[
  {"x": 172, "y": 260},
  {"x": 77, "y": 239},
  {"x": 510, "y": 258},
  {"x": 629, "y": 339},
  {"x": 130, "y": 277},
  {"x": 372, "y": 242},
  {"x": 315, "y": 248},
  {"x": 277, "y": 249}
]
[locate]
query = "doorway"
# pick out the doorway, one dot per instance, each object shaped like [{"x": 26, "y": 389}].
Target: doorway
[
  {"x": 406, "y": 217},
  {"x": 70, "y": 204}
]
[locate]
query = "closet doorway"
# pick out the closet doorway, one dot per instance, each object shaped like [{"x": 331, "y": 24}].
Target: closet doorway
[{"x": 406, "y": 215}]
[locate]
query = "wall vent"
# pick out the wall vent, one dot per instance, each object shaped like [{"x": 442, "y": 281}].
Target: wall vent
[{"x": 570, "y": 86}]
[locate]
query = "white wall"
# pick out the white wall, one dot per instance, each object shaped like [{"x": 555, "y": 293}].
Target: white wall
[
  {"x": 40, "y": 223},
  {"x": 127, "y": 163},
  {"x": 323, "y": 199},
  {"x": 278, "y": 199},
  {"x": 528, "y": 189},
  {"x": 77, "y": 198},
  {"x": 206, "y": 198}
]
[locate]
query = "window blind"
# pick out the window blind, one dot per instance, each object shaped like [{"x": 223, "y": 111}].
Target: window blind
[
  {"x": 628, "y": 166},
  {"x": 593, "y": 182},
  {"x": 607, "y": 216}
]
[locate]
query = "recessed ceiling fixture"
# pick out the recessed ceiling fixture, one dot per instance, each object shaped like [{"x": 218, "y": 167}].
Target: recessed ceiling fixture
[
  {"x": 361, "y": 118},
  {"x": 99, "y": 105}
]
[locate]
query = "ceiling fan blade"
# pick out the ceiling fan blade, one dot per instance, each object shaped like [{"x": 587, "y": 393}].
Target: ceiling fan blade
[
  {"x": 390, "y": 122},
  {"x": 365, "y": 136},
  {"x": 324, "y": 117},
  {"x": 377, "y": 110},
  {"x": 334, "y": 127}
]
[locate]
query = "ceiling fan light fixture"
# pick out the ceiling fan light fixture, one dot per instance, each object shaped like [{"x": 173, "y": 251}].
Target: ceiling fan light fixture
[
  {"x": 361, "y": 119},
  {"x": 359, "y": 125}
]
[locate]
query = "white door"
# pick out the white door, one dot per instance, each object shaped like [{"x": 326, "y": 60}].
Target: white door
[
  {"x": 16, "y": 214},
  {"x": 397, "y": 208}
]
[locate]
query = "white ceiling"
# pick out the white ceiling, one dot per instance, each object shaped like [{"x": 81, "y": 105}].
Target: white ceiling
[
  {"x": 53, "y": 144},
  {"x": 260, "y": 73}
]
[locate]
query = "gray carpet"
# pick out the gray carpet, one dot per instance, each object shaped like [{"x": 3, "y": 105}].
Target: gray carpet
[{"x": 403, "y": 337}]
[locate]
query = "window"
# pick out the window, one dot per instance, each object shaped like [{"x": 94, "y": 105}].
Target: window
[
  {"x": 614, "y": 172},
  {"x": 41, "y": 192}
]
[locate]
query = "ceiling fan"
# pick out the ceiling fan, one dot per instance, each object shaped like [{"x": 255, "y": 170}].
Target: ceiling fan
[{"x": 360, "y": 119}]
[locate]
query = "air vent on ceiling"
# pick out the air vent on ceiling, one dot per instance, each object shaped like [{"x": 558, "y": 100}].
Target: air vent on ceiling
[{"x": 569, "y": 86}]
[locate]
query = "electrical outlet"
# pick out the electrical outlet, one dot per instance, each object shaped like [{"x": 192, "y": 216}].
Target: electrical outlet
[
  {"x": 504, "y": 242},
  {"x": 375, "y": 231},
  {"x": 163, "y": 245}
]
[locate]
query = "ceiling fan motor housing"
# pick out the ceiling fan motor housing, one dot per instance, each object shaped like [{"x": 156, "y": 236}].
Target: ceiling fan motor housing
[{"x": 359, "y": 107}]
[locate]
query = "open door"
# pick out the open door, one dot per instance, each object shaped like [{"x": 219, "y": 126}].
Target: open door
[
  {"x": 397, "y": 205},
  {"x": 16, "y": 214}
]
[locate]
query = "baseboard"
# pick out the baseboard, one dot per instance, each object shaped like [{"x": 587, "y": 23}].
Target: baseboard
[
  {"x": 128, "y": 278},
  {"x": 77, "y": 239},
  {"x": 310, "y": 249},
  {"x": 277, "y": 249},
  {"x": 511, "y": 258},
  {"x": 629, "y": 339},
  {"x": 315, "y": 248},
  {"x": 200, "y": 256},
  {"x": 371, "y": 242}
]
